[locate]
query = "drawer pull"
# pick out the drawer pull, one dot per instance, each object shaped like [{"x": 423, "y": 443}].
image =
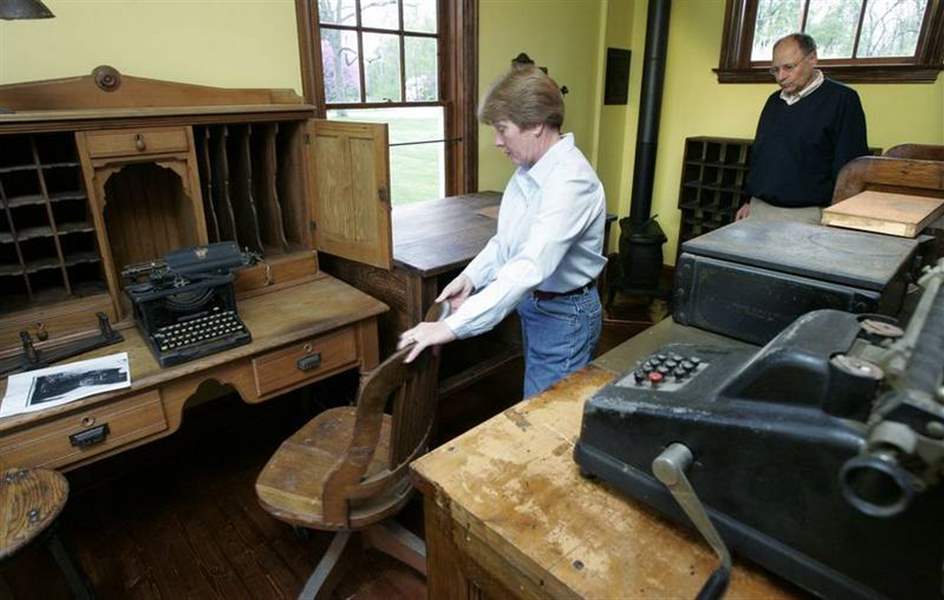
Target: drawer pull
[
  {"x": 90, "y": 437},
  {"x": 307, "y": 363},
  {"x": 139, "y": 142}
]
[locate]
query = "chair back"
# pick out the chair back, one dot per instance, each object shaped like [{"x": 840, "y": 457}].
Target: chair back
[
  {"x": 413, "y": 388},
  {"x": 887, "y": 174},
  {"x": 916, "y": 151}
]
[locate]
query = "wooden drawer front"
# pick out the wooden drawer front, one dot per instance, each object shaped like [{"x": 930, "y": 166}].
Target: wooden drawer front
[
  {"x": 49, "y": 445},
  {"x": 131, "y": 142},
  {"x": 280, "y": 368}
]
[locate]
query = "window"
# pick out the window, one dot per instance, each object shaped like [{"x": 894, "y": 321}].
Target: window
[
  {"x": 858, "y": 40},
  {"x": 400, "y": 62}
]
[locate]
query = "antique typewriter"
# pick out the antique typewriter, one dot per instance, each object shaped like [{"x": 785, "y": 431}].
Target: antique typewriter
[
  {"x": 185, "y": 305},
  {"x": 818, "y": 456}
]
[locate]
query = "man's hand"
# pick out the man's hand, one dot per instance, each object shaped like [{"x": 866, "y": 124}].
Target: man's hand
[
  {"x": 743, "y": 212},
  {"x": 456, "y": 292},
  {"x": 424, "y": 335}
]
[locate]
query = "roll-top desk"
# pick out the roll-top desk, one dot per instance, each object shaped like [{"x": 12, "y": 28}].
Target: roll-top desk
[{"x": 104, "y": 171}]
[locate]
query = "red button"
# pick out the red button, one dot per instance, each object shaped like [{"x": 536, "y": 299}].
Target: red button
[{"x": 655, "y": 377}]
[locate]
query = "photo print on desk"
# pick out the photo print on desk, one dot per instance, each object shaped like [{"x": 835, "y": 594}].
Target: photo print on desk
[{"x": 54, "y": 386}]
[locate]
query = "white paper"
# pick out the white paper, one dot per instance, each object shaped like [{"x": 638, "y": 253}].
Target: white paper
[{"x": 54, "y": 386}]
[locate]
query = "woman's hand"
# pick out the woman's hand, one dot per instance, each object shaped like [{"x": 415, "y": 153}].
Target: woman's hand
[
  {"x": 424, "y": 335},
  {"x": 456, "y": 292}
]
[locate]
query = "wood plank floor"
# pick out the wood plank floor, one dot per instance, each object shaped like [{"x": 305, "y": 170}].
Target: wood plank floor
[{"x": 178, "y": 518}]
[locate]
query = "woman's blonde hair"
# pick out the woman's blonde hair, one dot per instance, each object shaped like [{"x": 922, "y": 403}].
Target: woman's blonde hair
[{"x": 526, "y": 96}]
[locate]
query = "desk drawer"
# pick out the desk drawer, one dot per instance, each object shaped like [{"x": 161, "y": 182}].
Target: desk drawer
[
  {"x": 75, "y": 437},
  {"x": 132, "y": 142},
  {"x": 304, "y": 360}
]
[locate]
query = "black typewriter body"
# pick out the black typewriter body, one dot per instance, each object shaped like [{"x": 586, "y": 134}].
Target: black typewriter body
[
  {"x": 816, "y": 456},
  {"x": 186, "y": 307}
]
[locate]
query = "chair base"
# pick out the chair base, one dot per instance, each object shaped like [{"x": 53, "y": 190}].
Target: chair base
[{"x": 387, "y": 536}]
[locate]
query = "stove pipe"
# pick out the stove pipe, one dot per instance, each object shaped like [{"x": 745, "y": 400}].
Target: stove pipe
[
  {"x": 641, "y": 237},
  {"x": 650, "y": 109}
]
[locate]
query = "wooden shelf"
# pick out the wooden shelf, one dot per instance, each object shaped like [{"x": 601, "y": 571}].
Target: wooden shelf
[
  {"x": 46, "y": 231},
  {"x": 31, "y": 199},
  {"x": 714, "y": 171},
  {"x": 50, "y": 262}
]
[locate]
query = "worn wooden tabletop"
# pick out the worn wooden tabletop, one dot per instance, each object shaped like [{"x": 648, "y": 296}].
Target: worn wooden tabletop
[
  {"x": 440, "y": 235},
  {"x": 511, "y": 484}
]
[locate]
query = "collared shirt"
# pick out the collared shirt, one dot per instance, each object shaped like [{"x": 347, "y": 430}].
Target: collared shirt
[
  {"x": 549, "y": 237},
  {"x": 792, "y": 99}
]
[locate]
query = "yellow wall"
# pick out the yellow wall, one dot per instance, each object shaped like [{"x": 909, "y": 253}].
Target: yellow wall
[
  {"x": 228, "y": 43},
  {"x": 253, "y": 43},
  {"x": 562, "y": 35},
  {"x": 618, "y": 122}
]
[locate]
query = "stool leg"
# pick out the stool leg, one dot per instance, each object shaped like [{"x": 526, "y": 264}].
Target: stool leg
[
  {"x": 5, "y": 592},
  {"x": 78, "y": 582}
]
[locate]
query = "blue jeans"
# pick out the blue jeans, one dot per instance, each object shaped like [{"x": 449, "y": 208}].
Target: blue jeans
[{"x": 559, "y": 336}]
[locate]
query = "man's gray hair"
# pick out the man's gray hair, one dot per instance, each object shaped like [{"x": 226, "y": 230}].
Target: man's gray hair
[{"x": 804, "y": 40}]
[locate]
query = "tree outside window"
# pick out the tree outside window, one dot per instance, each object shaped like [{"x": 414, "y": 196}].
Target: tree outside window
[
  {"x": 858, "y": 40},
  {"x": 380, "y": 63}
]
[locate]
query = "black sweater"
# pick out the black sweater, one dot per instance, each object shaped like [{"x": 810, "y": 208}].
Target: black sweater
[{"x": 799, "y": 149}]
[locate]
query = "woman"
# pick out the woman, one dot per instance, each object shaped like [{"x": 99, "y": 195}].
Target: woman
[{"x": 546, "y": 254}]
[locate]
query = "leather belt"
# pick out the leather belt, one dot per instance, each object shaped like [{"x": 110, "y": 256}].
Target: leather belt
[{"x": 541, "y": 295}]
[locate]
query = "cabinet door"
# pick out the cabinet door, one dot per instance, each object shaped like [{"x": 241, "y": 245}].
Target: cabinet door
[{"x": 351, "y": 183}]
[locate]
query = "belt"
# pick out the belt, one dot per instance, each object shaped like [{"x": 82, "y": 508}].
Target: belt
[{"x": 541, "y": 295}]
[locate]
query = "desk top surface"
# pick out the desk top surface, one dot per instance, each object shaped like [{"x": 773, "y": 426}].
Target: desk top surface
[
  {"x": 274, "y": 318},
  {"x": 512, "y": 482},
  {"x": 440, "y": 235}
]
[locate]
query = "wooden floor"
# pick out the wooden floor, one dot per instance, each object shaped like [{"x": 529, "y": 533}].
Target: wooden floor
[{"x": 179, "y": 519}]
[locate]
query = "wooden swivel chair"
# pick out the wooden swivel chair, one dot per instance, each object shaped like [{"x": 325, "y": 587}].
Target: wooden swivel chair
[
  {"x": 347, "y": 470},
  {"x": 916, "y": 151}
]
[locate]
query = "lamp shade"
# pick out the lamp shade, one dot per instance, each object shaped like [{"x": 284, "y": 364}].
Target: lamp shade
[{"x": 24, "y": 9}]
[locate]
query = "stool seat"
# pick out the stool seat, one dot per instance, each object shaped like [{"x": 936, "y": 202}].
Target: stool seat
[{"x": 30, "y": 501}]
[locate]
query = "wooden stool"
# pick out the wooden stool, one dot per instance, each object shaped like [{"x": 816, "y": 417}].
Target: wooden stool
[{"x": 30, "y": 503}]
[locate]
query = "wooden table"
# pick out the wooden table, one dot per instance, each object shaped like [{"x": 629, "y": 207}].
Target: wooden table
[
  {"x": 432, "y": 242},
  {"x": 323, "y": 315},
  {"x": 509, "y": 516}
]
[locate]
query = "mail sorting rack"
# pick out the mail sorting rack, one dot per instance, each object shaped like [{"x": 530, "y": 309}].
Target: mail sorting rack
[
  {"x": 714, "y": 171},
  {"x": 48, "y": 251},
  {"x": 247, "y": 197}
]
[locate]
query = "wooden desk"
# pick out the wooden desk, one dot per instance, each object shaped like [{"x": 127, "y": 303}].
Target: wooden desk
[
  {"x": 323, "y": 315},
  {"x": 432, "y": 242},
  {"x": 509, "y": 516}
]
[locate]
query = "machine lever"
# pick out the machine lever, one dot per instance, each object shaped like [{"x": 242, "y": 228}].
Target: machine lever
[{"x": 669, "y": 468}]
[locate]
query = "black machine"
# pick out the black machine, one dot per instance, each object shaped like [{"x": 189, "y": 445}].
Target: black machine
[
  {"x": 818, "y": 456},
  {"x": 185, "y": 305},
  {"x": 752, "y": 278}
]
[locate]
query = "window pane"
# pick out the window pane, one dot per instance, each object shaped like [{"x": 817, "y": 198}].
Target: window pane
[
  {"x": 382, "y": 67},
  {"x": 416, "y": 172},
  {"x": 832, "y": 25},
  {"x": 775, "y": 19},
  {"x": 421, "y": 69},
  {"x": 891, "y": 27},
  {"x": 419, "y": 15},
  {"x": 339, "y": 12},
  {"x": 382, "y": 14},
  {"x": 342, "y": 80}
]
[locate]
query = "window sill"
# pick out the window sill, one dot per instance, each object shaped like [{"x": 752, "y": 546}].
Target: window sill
[{"x": 846, "y": 74}]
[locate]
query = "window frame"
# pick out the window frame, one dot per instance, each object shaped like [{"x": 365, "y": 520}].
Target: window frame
[
  {"x": 458, "y": 81},
  {"x": 735, "y": 65}
]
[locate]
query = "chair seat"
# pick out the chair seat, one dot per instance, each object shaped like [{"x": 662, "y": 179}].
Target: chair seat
[
  {"x": 30, "y": 500},
  {"x": 291, "y": 485}
]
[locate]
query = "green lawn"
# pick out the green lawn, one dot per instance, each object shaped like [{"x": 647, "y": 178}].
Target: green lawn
[{"x": 416, "y": 172}]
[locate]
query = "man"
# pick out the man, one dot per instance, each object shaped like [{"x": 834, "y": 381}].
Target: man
[
  {"x": 547, "y": 253},
  {"x": 806, "y": 133}
]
